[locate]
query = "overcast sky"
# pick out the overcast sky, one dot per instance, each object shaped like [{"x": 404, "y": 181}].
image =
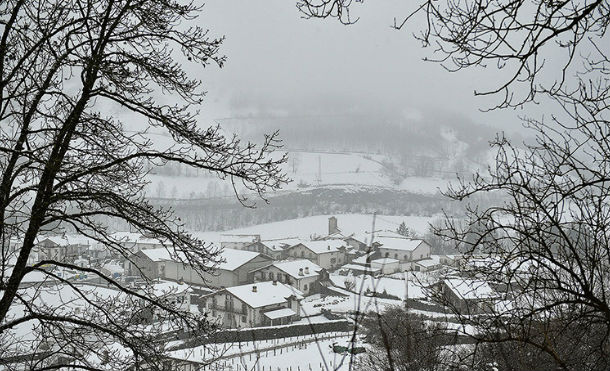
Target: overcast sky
[{"x": 279, "y": 62}]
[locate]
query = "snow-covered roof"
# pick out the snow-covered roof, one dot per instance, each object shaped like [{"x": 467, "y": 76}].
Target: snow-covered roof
[
  {"x": 292, "y": 267},
  {"x": 427, "y": 263},
  {"x": 282, "y": 243},
  {"x": 402, "y": 244},
  {"x": 267, "y": 293},
  {"x": 470, "y": 289},
  {"x": 161, "y": 254},
  {"x": 323, "y": 247},
  {"x": 279, "y": 313},
  {"x": 232, "y": 258},
  {"x": 384, "y": 261}
]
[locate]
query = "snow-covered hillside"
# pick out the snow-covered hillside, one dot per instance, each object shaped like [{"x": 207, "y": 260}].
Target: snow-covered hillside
[{"x": 307, "y": 170}]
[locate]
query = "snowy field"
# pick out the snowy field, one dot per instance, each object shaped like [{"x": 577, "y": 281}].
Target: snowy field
[
  {"x": 306, "y": 169},
  {"x": 288, "y": 354}
]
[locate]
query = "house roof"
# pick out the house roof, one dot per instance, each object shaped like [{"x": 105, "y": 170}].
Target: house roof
[
  {"x": 428, "y": 262},
  {"x": 232, "y": 258},
  {"x": 282, "y": 243},
  {"x": 279, "y": 313},
  {"x": 323, "y": 247},
  {"x": 402, "y": 244},
  {"x": 292, "y": 267},
  {"x": 267, "y": 293},
  {"x": 470, "y": 289},
  {"x": 385, "y": 261}
]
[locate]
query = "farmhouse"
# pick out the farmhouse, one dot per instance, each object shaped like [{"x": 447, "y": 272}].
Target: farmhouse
[
  {"x": 328, "y": 254},
  {"x": 301, "y": 274},
  {"x": 256, "y": 304},
  {"x": 163, "y": 263},
  {"x": 404, "y": 250}
]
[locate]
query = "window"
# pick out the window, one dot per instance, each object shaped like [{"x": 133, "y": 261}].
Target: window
[
  {"x": 406, "y": 257},
  {"x": 271, "y": 275},
  {"x": 387, "y": 254},
  {"x": 333, "y": 260},
  {"x": 302, "y": 254},
  {"x": 305, "y": 287},
  {"x": 263, "y": 276},
  {"x": 244, "y": 308},
  {"x": 395, "y": 256},
  {"x": 243, "y": 318}
]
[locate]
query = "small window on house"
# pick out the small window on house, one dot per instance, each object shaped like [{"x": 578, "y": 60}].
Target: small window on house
[
  {"x": 406, "y": 257},
  {"x": 286, "y": 278},
  {"x": 395, "y": 256},
  {"x": 263, "y": 276},
  {"x": 244, "y": 308},
  {"x": 305, "y": 287},
  {"x": 302, "y": 254},
  {"x": 243, "y": 318},
  {"x": 387, "y": 254},
  {"x": 271, "y": 275}
]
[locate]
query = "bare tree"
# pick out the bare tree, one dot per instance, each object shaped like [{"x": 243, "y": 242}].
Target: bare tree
[
  {"x": 66, "y": 163},
  {"x": 546, "y": 242},
  {"x": 541, "y": 47}
]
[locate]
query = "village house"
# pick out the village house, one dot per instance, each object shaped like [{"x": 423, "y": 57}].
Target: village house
[
  {"x": 256, "y": 304},
  {"x": 64, "y": 248},
  {"x": 301, "y": 274},
  {"x": 328, "y": 254},
  {"x": 163, "y": 263},
  {"x": 176, "y": 294},
  {"x": 405, "y": 250},
  {"x": 468, "y": 296}
]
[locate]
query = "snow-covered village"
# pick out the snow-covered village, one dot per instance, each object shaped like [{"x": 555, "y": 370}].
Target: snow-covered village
[
  {"x": 304, "y": 185},
  {"x": 285, "y": 297}
]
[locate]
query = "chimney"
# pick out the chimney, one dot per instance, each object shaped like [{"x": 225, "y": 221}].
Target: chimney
[
  {"x": 332, "y": 225},
  {"x": 329, "y": 247},
  {"x": 274, "y": 282},
  {"x": 306, "y": 270},
  {"x": 300, "y": 271},
  {"x": 253, "y": 288}
]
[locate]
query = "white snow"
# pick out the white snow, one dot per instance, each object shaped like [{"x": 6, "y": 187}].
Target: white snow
[
  {"x": 402, "y": 244},
  {"x": 267, "y": 293},
  {"x": 295, "y": 267}
]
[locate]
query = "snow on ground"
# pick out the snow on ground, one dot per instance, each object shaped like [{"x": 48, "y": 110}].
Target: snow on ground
[
  {"x": 306, "y": 169},
  {"x": 313, "y": 305},
  {"x": 295, "y": 353},
  {"x": 391, "y": 286},
  {"x": 423, "y": 185},
  {"x": 347, "y": 223}
]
